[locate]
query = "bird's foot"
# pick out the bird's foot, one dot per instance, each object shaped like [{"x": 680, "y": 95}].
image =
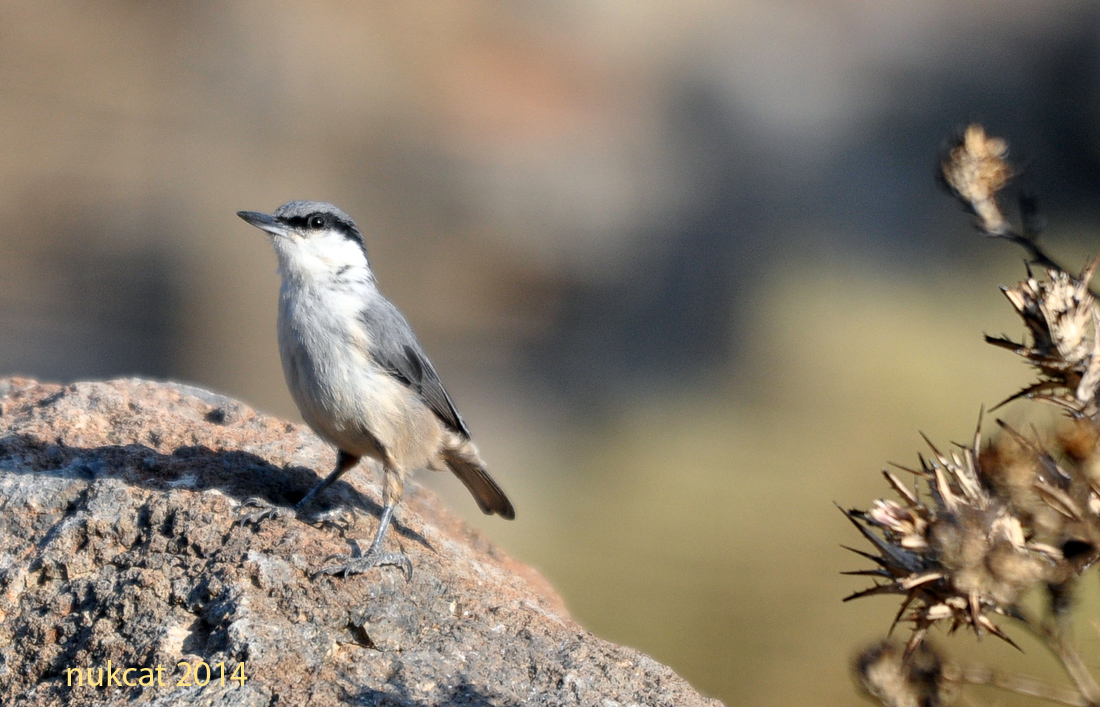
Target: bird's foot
[
  {"x": 373, "y": 558},
  {"x": 339, "y": 518},
  {"x": 256, "y": 510},
  {"x": 249, "y": 515}
]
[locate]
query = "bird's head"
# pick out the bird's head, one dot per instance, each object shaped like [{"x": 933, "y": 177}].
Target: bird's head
[{"x": 314, "y": 240}]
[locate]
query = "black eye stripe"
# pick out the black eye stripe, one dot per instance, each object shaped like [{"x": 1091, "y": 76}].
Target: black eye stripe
[
  {"x": 296, "y": 221},
  {"x": 348, "y": 230},
  {"x": 312, "y": 221}
]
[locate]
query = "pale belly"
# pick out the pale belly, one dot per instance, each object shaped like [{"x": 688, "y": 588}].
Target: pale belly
[{"x": 352, "y": 403}]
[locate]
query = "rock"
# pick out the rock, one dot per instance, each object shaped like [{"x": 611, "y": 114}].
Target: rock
[{"x": 119, "y": 549}]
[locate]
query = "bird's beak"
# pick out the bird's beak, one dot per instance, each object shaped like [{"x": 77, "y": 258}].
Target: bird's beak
[{"x": 265, "y": 223}]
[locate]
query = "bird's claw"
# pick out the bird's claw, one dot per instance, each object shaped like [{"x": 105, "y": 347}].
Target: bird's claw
[
  {"x": 338, "y": 518},
  {"x": 267, "y": 510},
  {"x": 359, "y": 565}
]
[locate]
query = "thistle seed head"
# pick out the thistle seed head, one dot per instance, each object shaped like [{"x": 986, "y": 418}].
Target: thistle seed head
[
  {"x": 975, "y": 170},
  {"x": 885, "y": 673},
  {"x": 969, "y": 547},
  {"x": 1063, "y": 324}
]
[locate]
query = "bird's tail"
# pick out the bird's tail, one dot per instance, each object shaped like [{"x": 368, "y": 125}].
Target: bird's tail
[{"x": 463, "y": 460}]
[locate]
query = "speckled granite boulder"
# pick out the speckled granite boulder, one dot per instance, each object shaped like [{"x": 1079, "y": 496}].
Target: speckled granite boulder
[{"x": 119, "y": 543}]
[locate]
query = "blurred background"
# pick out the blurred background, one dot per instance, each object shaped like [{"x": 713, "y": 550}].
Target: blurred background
[{"x": 684, "y": 266}]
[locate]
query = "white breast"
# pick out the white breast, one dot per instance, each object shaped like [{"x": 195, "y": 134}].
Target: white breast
[{"x": 340, "y": 391}]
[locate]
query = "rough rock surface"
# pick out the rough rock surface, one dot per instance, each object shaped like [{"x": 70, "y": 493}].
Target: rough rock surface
[{"x": 119, "y": 542}]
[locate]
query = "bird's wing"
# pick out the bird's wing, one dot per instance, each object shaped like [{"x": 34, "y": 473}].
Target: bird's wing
[{"x": 395, "y": 348}]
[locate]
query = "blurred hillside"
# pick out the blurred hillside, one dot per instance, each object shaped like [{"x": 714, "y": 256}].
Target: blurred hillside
[{"x": 684, "y": 266}]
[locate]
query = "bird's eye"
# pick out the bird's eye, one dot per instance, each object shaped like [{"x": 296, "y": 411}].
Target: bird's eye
[{"x": 316, "y": 222}]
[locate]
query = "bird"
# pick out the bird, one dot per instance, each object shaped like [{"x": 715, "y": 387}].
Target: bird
[{"x": 357, "y": 373}]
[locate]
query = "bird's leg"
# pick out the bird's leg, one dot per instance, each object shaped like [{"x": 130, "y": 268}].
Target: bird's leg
[
  {"x": 344, "y": 462},
  {"x": 394, "y": 487}
]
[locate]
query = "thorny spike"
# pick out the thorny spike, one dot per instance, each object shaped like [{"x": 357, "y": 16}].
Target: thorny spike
[
  {"x": 1038, "y": 443},
  {"x": 1059, "y": 500},
  {"x": 896, "y": 484},
  {"x": 948, "y": 496},
  {"x": 972, "y": 451},
  {"x": 1041, "y": 455},
  {"x": 1086, "y": 275},
  {"x": 867, "y": 573},
  {"x": 1050, "y": 468},
  {"x": 933, "y": 482},
  {"x": 866, "y": 555},
  {"x": 1029, "y": 392},
  {"x": 1017, "y": 437},
  {"x": 1005, "y": 343},
  {"x": 892, "y": 554},
  {"x": 1069, "y": 406},
  {"x": 901, "y": 612},
  {"x": 914, "y": 472},
  {"x": 974, "y": 603},
  {"x": 988, "y": 625},
  {"x": 915, "y": 640},
  {"x": 939, "y": 455},
  {"x": 913, "y": 582},
  {"x": 965, "y": 472},
  {"x": 872, "y": 591}
]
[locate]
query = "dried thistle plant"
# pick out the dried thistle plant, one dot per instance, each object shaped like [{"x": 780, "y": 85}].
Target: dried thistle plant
[
  {"x": 1062, "y": 319},
  {"x": 982, "y": 527},
  {"x": 976, "y": 171},
  {"x": 899, "y": 679}
]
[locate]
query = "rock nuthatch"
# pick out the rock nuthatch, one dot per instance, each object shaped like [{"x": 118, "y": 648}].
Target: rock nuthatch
[{"x": 357, "y": 372}]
